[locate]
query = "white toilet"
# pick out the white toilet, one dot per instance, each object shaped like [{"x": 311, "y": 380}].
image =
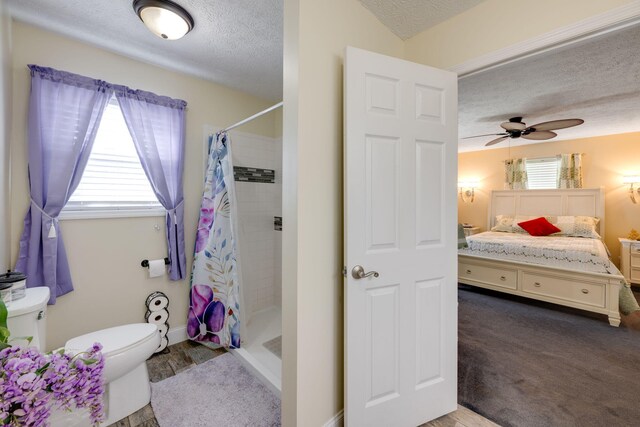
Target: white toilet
[{"x": 125, "y": 348}]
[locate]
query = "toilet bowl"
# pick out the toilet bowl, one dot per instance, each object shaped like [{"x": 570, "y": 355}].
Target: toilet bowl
[{"x": 125, "y": 348}]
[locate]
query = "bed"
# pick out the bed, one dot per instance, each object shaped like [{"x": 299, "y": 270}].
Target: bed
[{"x": 570, "y": 271}]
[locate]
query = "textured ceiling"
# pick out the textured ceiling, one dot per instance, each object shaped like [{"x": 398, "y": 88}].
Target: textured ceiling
[
  {"x": 406, "y": 18},
  {"x": 235, "y": 43},
  {"x": 597, "y": 80}
]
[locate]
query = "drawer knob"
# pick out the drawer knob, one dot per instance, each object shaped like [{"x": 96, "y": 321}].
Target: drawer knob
[
  {"x": 503, "y": 278},
  {"x": 468, "y": 271},
  {"x": 585, "y": 291},
  {"x": 537, "y": 284}
]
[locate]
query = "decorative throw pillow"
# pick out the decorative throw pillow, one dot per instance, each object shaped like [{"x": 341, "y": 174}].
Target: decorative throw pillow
[
  {"x": 503, "y": 223},
  {"x": 521, "y": 218},
  {"x": 539, "y": 227},
  {"x": 509, "y": 223},
  {"x": 577, "y": 226}
]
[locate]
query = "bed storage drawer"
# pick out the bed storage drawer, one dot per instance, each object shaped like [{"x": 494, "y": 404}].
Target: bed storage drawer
[
  {"x": 503, "y": 278},
  {"x": 565, "y": 289}
]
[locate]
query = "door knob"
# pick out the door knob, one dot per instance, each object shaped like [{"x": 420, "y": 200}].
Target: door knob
[{"x": 358, "y": 273}]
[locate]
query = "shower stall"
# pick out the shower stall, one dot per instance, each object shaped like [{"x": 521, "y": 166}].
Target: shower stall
[
  {"x": 236, "y": 292},
  {"x": 257, "y": 162}
]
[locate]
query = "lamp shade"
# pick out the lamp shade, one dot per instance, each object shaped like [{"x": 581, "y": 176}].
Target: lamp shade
[{"x": 164, "y": 18}]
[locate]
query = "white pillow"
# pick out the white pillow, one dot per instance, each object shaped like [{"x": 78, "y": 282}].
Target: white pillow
[
  {"x": 503, "y": 223},
  {"x": 576, "y": 226}
]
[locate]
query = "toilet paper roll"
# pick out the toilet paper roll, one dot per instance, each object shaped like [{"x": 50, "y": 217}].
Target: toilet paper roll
[
  {"x": 157, "y": 317},
  {"x": 163, "y": 329},
  {"x": 157, "y": 301},
  {"x": 157, "y": 268},
  {"x": 164, "y": 342}
]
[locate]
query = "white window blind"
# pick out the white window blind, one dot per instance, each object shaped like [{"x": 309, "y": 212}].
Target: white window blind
[
  {"x": 114, "y": 178},
  {"x": 542, "y": 173}
]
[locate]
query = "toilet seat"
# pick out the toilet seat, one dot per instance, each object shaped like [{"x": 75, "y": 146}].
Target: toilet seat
[{"x": 114, "y": 340}]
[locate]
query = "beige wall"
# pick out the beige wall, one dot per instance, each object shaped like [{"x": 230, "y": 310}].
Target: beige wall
[
  {"x": 105, "y": 254},
  {"x": 496, "y": 24},
  {"x": 313, "y": 139},
  {"x": 5, "y": 134},
  {"x": 606, "y": 159}
]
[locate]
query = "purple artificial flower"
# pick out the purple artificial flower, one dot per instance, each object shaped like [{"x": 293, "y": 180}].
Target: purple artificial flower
[
  {"x": 32, "y": 382},
  {"x": 206, "y": 316}
]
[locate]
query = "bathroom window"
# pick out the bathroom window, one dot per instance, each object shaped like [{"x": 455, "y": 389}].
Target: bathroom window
[
  {"x": 114, "y": 183},
  {"x": 542, "y": 173}
]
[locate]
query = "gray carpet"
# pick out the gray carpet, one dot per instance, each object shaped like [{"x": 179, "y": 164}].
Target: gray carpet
[
  {"x": 219, "y": 392},
  {"x": 526, "y": 363}
]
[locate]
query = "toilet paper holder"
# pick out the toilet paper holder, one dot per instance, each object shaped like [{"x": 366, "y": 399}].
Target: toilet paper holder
[{"x": 145, "y": 262}]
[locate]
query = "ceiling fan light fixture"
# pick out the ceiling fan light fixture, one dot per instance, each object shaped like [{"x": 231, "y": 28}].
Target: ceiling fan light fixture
[{"x": 164, "y": 18}]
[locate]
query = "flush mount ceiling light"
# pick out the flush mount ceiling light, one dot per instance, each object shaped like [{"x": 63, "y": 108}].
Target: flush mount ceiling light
[{"x": 164, "y": 18}]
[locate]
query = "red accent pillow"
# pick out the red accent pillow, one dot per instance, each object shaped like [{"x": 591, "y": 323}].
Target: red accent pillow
[{"x": 539, "y": 227}]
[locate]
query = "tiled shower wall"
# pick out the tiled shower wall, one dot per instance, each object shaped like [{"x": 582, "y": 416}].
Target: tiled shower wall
[{"x": 260, "y": 245}]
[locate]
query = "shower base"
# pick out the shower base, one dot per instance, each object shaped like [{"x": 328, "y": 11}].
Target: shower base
[{"x": 264, "y": 326}]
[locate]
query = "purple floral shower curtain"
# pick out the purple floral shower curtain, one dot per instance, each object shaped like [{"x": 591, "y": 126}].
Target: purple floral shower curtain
[
  {"x": 157, "y": 126},
  {"x": 64, "y": 114},
  {"x": 214, "y": 309}
]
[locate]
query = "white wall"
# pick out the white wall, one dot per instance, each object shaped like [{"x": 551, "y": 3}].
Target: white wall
[
  {"x": 5, "y": 135},
  {"x": 316, "y": 35},
  {"x": 105, "y": 254},
  {"x": 258, "y": 203}
]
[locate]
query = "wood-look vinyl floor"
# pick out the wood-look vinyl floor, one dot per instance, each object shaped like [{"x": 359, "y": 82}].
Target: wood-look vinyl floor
[{"x": 187, "y": 354}]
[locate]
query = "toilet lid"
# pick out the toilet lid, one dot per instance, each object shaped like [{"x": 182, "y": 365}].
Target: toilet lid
[{"x": 113, "y": 340}]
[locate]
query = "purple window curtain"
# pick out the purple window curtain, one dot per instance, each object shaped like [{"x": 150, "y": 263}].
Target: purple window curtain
[
  {"x": 65, "y": 110},
  {"x": 157, "y": 126}
]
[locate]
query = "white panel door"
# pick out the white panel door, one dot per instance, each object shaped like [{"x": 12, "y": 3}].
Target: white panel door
[{"x": 400, "y": 174}]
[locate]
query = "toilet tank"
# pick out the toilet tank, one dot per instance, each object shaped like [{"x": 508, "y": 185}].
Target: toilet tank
[{"x": 27, "y": 317}]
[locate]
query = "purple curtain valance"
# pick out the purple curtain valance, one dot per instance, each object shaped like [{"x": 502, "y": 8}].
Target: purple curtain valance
[
  {"x": 149, "y": 97},
  {"x": 70, "y": 79},
  {"x": 84, "y": 82}
]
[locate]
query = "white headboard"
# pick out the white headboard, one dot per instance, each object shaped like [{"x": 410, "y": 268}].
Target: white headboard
[{"x": 582, "y": 201}]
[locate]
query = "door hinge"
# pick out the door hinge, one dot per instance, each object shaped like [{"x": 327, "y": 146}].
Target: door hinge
[{"x": 344, "y": 271}]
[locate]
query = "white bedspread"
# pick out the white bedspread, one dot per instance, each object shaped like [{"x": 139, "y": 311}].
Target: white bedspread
[{"x": 576, "y": 253}]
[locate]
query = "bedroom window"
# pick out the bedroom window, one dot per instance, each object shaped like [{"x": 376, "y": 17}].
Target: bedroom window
[
  {"x": 113, "y": 183},
  {"x": 542, "y": 173}
]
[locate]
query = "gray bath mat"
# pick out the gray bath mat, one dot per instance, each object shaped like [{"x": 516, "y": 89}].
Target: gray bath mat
[
  {"x": 275, "y": 346},
  {"x": 219, "y": 392}
]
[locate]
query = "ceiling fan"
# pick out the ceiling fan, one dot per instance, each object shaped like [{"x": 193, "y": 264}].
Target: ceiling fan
[{"x": 516, "y": 128}]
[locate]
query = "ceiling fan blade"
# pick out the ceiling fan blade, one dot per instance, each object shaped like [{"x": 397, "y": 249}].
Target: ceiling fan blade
[
  {"x": 495, "y": 141},
  {"x": 540, "y": 135},
  {"x": 489, "y": 134},
  {"x": 513, "y": 126},
  {"x": 557, "y": 124}
]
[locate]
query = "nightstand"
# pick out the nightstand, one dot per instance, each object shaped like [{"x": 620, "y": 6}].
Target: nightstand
[
  {"x": 630, "y": 260},
  {"x": 471, "y": 231}
]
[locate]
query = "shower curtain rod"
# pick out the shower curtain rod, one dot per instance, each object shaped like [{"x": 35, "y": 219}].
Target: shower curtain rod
[{"x": 255, "y": 116}]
